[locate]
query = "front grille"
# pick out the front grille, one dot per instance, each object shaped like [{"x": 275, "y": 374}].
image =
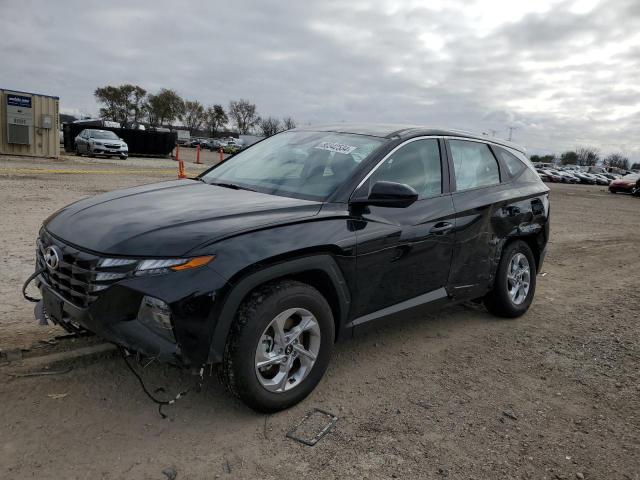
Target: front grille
[
  {"x": 78, "y": 278},
  {"x": 111, "y": 146}
]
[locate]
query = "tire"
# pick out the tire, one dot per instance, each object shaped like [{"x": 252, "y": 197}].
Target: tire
[
  {"x": 78, "y": 154},
  {"x": 499, "y": 301},
  {"x": 249, "y": 342}
]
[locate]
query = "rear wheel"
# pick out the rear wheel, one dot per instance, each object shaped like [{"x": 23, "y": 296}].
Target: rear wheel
[
  {"x": 279, "y": 346},
  {"x": 515, "y": 282}
]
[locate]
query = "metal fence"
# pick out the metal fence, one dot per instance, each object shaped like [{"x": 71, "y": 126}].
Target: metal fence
[{"x": 140, "y": 142}]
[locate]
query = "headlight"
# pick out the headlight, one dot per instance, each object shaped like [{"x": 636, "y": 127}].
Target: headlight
[
  {"x": 116, "y": 262},
  {"x": 152, "y": 267},
  {"x": 97, "y": 143},
  {"x": 125, "y": 266}
]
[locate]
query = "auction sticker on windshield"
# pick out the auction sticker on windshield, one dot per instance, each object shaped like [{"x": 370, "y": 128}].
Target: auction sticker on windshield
[{"x": 336, "y": 147}]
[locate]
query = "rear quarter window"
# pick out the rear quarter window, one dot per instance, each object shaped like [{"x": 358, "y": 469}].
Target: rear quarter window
[{"x": 513, "y": 165}]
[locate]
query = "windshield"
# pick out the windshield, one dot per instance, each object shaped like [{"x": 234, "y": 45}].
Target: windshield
[
  {"x": 103, "y": 134},
  {"x": 298, "y": 164}
]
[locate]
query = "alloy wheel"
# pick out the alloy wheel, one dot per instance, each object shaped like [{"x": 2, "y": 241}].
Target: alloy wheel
[
  {"x": 518, "y": 278},
  {"x": 287, "y": 350}
]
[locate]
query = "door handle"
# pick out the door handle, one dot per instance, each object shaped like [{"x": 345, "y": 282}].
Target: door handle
[{"x": 441, "y": 227}]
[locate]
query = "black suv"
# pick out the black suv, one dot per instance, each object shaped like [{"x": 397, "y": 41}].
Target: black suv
[{"x": 263, "y": 261}]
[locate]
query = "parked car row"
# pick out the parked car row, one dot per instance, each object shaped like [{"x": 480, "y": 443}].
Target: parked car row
[
  {"x": 629, "y": 183},
  {"x": 570, "y": 175},
  {"x": 229, "y": 145}
]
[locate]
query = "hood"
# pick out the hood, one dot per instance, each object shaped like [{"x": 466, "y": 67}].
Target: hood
[{"x": 169, "y": 219}]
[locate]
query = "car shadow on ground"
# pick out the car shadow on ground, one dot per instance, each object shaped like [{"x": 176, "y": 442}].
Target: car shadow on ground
[{"x": 389, "y": 339}]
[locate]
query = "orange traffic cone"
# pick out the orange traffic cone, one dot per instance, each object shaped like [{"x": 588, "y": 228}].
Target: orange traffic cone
[{"x": 181, "y": 173}]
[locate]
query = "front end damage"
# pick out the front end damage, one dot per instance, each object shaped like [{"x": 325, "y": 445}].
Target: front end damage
[{"x": 166, "y": 315}]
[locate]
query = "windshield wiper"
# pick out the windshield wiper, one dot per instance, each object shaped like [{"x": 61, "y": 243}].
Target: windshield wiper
[{"x": 231, "y": 185}]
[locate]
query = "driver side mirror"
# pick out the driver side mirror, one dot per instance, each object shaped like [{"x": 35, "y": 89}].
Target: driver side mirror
[{"x": 388, "y": 194}]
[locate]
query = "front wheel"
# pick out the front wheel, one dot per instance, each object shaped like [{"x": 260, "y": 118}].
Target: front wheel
[
  {"x": 279, "y": 346},
  {"x": 515, "y": 282}
]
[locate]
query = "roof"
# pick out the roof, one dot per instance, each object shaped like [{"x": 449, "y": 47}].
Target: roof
[
  {"x": 28, "y": 93},
  {"x": 389, "y": 130}
]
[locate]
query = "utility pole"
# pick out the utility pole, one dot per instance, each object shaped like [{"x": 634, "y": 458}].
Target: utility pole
[
  {"x": 511, "y": 129},
  {"x": 493, "y": 132}
]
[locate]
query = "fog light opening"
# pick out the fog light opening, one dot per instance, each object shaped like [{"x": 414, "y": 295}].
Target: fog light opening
[{"x": 156, "y": 315}]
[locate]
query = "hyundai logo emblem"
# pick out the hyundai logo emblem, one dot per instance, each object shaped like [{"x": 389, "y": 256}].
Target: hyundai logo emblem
[{"x": 52, "y": 258}]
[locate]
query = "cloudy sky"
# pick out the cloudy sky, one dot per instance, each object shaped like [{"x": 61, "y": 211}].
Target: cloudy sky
[{"x": 562, "y": 72}]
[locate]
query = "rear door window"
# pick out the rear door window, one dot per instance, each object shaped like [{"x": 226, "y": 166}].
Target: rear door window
[{"x": 474, "y": 165}]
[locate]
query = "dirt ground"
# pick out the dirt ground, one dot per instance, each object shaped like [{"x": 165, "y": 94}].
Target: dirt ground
[{"x": 457, "y": 395}]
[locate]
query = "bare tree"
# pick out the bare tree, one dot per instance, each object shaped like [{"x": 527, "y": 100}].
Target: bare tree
[
  {"x": 215, "y": 119},
  {"x": 289, "y": 123},
  {"x": 587, "y": 156},
  {"x": 243, "y": 114},
  {"x": 269, "y": 126},
  {"x": 194, "y": 115},
  {"x": 617, "y": 160}
]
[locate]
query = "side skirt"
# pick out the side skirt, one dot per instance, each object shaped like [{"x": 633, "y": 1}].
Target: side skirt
[{"x": 400, "y": 308}]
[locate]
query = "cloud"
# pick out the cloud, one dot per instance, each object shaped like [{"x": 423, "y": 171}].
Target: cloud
[{"x": 564, "y": 72}]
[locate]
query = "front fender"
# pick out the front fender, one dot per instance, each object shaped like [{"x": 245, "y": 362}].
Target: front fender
[{"x": 324, "y": 263}]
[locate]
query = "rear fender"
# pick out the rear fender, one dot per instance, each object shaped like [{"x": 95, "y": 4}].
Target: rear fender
[{"x": 530, "y": 221}]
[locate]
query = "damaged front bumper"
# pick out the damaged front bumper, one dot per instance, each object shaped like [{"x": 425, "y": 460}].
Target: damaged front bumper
[
  {"x": 131, "y": 334},
  {"x": 167, "y": 317}
]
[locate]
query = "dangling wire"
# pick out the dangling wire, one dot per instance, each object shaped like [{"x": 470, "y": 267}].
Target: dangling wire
[
  {"x": 159, "y": 402},
  {"x": 26, "y": 284}
]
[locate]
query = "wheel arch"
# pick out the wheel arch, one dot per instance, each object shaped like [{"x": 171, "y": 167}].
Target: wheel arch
[
  {"x": 532, "y": 242},
  {"x": 537, "y": 243},
  {"x": 320, "y": 271}
]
